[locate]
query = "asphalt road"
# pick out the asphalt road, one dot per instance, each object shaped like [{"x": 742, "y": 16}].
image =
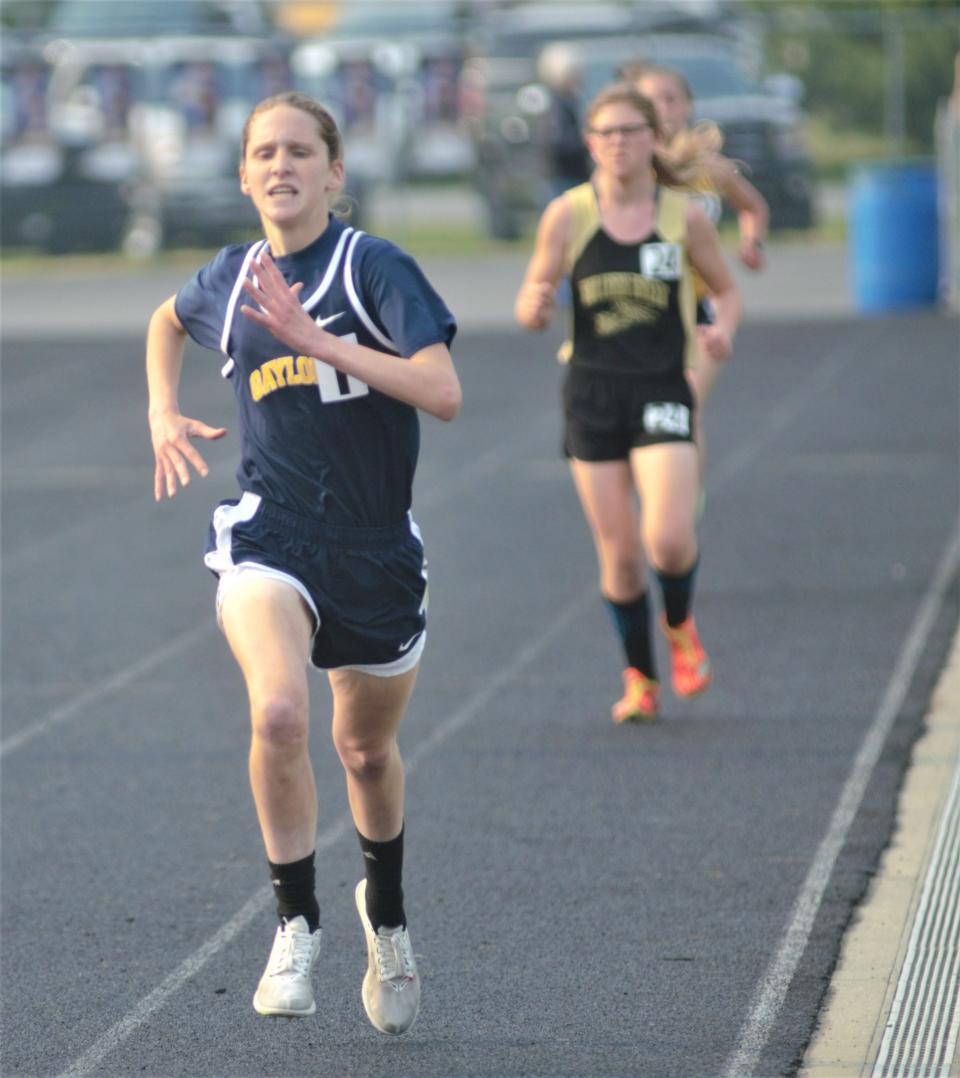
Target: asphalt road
[{"x": 586, "y": 900}]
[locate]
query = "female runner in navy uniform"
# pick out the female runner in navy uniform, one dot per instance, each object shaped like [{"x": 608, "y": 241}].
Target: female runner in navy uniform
[
  {"x": 333, "y": 340},
  {"x": 628, "y": 243}
]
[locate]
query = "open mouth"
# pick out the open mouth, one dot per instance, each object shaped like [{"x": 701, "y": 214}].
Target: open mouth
[{"x": 282, "y": 189}]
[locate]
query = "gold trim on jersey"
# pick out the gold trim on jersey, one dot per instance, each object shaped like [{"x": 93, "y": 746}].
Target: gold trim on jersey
[{"x": 640, "y": 299}]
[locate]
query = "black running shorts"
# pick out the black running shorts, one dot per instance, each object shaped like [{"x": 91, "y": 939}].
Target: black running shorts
[
  {"x": 608, "y": 415},
  {"x": 367, "y": 587}
]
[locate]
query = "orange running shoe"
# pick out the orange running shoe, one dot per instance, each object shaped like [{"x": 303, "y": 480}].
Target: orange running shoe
[
  {"x": 691, "y": 667},
  {"x": 641, "y": 695}
]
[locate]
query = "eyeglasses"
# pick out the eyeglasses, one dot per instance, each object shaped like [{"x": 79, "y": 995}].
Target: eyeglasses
[{"x": 627, "y": 130}]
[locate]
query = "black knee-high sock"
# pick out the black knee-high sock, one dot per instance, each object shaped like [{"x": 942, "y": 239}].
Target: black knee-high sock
[
  {"x": 294, "y": 885},
  {"x": 383, "y": 862},
  {"x": 632, "y": 622},
  {"x": 677, "y": 594}
]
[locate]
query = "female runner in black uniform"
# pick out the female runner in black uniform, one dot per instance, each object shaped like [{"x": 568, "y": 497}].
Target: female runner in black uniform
[
  {"x": 720, "y": 181},
  {"x": 333, "y": 340},
  {"x": 628, "y": 241}
]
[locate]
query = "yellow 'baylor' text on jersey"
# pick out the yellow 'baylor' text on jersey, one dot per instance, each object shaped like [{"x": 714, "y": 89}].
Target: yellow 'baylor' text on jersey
[
  {"x": 314, "y": 440},
  {"x": 633, "y": 303}
]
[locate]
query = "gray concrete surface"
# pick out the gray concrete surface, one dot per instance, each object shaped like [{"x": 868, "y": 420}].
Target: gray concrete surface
[
  {"x": 883, "y": 979},
  {"x": 804, "y": 278}
]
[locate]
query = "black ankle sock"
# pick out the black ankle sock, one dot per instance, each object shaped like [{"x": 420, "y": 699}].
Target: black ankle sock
[
  {"x": 383, "y": 862},
  {"x": 632, "y": 622},
  {"x": 294, "y": 885},
  {"x": 677, "y": 594}
]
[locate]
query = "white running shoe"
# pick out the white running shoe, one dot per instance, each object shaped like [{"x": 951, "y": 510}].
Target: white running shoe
[
  {"x": 391, "y": 986},
  {"x": 286, "y": 987}
]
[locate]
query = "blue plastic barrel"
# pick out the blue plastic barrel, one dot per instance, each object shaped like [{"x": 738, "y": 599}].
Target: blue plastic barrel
[{"x": 893, "y": 236}]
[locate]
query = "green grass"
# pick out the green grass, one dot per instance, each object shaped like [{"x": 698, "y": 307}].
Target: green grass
[
  {"x": 422, "y": 240},
  {"x": 836, "y": 151},
  {"x": 24, "y": 261},
  {"x": 437, "y": 240}
]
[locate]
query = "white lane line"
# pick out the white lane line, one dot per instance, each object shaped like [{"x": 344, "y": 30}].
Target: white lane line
[
  {"x": 114, "y": 1037},
  {"x": 150, "y": 1004},
  {"x": 826, "y": 371},
  {"x": 107, "y": 687},
  {"x": 779, "y": 418},
  {"x": 484, "y": 465},
  {"x": 772, "y": 990}
]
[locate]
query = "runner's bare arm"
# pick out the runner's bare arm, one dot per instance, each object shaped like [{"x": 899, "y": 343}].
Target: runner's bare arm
[
  {"x": 753, "y": 213},
  {"x": 706, "y": 257},
  {"x": 170, "y": 431},
  {"x": 535, "y": 301}
]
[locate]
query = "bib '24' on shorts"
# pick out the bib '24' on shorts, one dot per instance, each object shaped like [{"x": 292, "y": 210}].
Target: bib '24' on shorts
[
  {"x": 366, "y": 587},
  {"x": 607, "y": 415}
]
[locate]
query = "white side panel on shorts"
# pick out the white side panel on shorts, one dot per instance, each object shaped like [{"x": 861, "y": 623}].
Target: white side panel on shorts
[
  {"x": 415, "y": 531},
  {"x": 224, "y": 519}
]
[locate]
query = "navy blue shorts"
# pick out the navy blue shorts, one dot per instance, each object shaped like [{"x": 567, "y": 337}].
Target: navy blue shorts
[
  {"x": 367, "y": 587},
  {"x": 608, "y": 415}
]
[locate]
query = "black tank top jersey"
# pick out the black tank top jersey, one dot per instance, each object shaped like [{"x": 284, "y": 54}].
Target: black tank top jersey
[
  {"x": 314, "y": 440},
  {"x": 633, "y": 304}
]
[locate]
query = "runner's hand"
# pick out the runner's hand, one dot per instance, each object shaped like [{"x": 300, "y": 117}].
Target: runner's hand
[
  {"x": 171, "y": 434},
  {"x": 535, "y": 304},
  {"x": 278, "y": 307},
  {"x": 751, "y": 254},
  {"x": 715, "y": 342}
]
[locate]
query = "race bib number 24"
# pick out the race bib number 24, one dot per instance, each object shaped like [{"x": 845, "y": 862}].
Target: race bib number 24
[
  {"x": 667, "y": 417},
  {"x": 661, "y": 260}
]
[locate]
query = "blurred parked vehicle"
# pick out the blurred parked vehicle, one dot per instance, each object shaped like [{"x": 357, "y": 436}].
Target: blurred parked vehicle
[
  {"x": 762, "y": 128},
  {"x": 503, "y": 104},
  {"x": 149, "y": 18},
  {"x": 142, "y": 105},
  {"x": 173, "y": 109},
  {"x": 390, "y": 72},
  {"x": 60, "y": 189}
]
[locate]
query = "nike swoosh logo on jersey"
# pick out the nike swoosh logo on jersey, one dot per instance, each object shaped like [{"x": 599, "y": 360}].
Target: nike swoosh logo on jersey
[
  {"x": 409, "y": 643},
  {"x": 321, "y": 322}
]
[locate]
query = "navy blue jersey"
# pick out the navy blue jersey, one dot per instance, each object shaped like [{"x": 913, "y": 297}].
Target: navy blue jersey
[{"x": 314, "y": 440}]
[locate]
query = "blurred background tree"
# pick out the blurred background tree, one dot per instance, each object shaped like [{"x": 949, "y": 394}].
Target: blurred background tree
[
  {"x": 25, "y": 14},
  {"x": 877, "y": 68}
]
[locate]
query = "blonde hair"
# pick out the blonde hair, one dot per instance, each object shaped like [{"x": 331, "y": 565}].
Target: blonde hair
[
  {"x": 703, "y": 139},
  {"x": 326, "y": 128},
  {"x": 675, "y": 167}
]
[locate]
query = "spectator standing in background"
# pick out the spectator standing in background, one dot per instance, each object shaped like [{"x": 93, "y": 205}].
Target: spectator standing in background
[{"x": 566, "y": 160}]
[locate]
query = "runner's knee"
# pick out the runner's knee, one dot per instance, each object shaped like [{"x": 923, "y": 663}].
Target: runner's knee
[
  {"x": 365, "y": 760},
  {"x": 280, "y": 720},
  {"x": 621, "y": 570}
]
